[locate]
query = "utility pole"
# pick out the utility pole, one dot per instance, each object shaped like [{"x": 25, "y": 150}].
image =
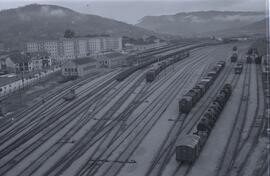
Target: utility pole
[{"x": 22, "y": 78}]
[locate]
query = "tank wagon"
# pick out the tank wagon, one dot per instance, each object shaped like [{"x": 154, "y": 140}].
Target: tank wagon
[
  {"x": 189, "y": 100},
  {"x": 189, "y": 147},
  {"x": 238, "y": 68},
  {"x": 235, "y": 48},
  {"x": 159, "y": 66},
  {"x": 70, "y": 96},
  {"x": 234, "y": 57}
]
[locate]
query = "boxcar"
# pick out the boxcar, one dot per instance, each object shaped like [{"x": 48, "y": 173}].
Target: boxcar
[
  {"x": 194, "y": 95},
  {"x": 204, "y": 125},
  {"x": 150, "y": 75},
  {"x": 70, "y": 96},
  {"x": 249, "y": 59},
  {"x": 258, "y": 59},
  {"x": 234, "y": 57},
  {"x": 238, "y": 69},
  {"x": 185, "y": 104},
  {"x": 188, "y": 148}
]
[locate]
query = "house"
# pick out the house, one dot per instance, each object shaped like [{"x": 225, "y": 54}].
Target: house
[
  {"x": 80, "y": 67},
  {"x": 15, "y": 62},
  {"x": 40, "y": 60},
  {"x": 111, "y": 60},
  {"x": 3, "y": 66},
  {"x": 20, "y": 62}
]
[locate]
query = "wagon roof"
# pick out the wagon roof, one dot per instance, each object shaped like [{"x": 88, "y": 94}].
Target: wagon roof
[
  {"x": 189, "y": 140},
  {"x": 186, "y": 97}
]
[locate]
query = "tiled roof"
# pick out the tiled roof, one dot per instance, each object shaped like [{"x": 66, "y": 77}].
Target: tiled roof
[
  {"x": 84, "y": 60},
  {"x": 19, "y": 58}
]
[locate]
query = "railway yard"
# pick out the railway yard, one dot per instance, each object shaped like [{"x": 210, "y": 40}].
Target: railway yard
[{"x": 130, "y": 123}]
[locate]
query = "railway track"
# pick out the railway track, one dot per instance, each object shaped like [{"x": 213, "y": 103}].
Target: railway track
[
  {"x": 105, "y": 118},
  {"x": 109, "y": 131},
  {"x": 231, "y": 147},
  {"x": 40, "y": 119},
  {"x": 74, "y": 129},
  {"x": 183, "y": 169},
  {"x": 33, "y": 114},
  {"x": 246, "y": 145},
  {"x": 144, "y": 125},
  {"x": 129, "y": 145},
  {"x": 57, "y": 127},
  {"x": 110, "y": 138},
  {"x": 166, "y": 150},
  {"x": 51, "y": 95},
  {"x": 100, "y": 134},
  {"x": 189, "y": 127},
  {"x": 96, "y": 160}
]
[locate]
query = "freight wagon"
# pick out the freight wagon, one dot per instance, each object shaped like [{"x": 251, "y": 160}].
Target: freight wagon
[
  {"x": 234, "y": 57},
  {"x": 70, "y": 96},
  {"x": 189, "y": 100},
  {"x": 238, "y": 68},
  {"x": 189, "y": 147},
  {"x": 249, "y": 59},
  {"x": 159, "y": 66}
]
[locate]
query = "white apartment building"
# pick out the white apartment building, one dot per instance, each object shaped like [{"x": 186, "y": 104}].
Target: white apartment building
[{"x": 67, "y": 49}]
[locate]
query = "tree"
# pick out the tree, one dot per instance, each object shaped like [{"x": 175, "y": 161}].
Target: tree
[{"x": 69, "y": 33}]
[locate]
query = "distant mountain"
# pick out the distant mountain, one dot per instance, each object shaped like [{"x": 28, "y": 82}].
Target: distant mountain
[
  {"x": 198, "y": 23},
  {"x": 258, "y": 27},
  {"x": 35, "y": 22}
]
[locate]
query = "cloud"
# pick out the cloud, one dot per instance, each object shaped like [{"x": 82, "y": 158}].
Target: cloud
[{"x": 47, "y": 11}]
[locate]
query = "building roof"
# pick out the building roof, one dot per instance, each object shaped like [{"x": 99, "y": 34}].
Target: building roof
[
  {"x": 19, "y": 58},
  {"x": 114, "y": 54},
  {"x": 3, "y": 57},
  {"x": 84, "y": 60},
  {"x": 38, "y": 54}
]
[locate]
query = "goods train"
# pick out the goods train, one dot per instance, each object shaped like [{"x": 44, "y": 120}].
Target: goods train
[
  {"x": 70, "y": 96},
  {"x": 238, "y": 68},
  {"x": 121, "y": 76},
  {"x": 188, "y": 148},
  {"x": 188, "y": 101},
  {"x": 253, "y": 52},
  {"x": 158, "y": 67},
  {"x": 234, "y": 57}
]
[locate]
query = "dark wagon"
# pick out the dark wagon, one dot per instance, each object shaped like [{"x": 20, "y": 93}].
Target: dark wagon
[
  {"x": 188, "y": 149},
  {"x": 185, "y": 104}
]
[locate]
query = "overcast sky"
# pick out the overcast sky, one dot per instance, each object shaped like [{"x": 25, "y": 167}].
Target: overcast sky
[{"x": 131, "y": 11}]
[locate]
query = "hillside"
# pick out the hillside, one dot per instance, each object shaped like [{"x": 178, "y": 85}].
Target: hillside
[
  {"x": 35, "y": 22},
  {"x": 198, "y": 23},
  {"x": 258, "y": 27}
]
